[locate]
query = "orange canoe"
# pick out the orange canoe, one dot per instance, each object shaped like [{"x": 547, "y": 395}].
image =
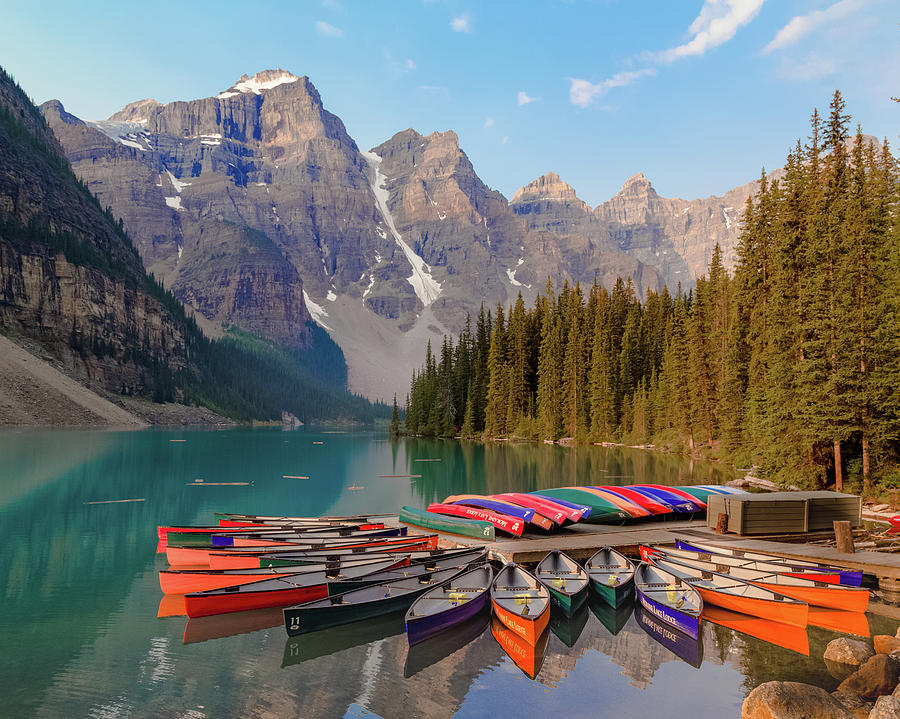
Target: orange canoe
[
  {"x": 521, "y": 602},
  {"x": 737, "y": 595}
]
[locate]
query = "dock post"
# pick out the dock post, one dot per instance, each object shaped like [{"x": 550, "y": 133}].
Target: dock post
[
  {"x": 722, "y": 523},
  {"x": 843, "y": 537}
]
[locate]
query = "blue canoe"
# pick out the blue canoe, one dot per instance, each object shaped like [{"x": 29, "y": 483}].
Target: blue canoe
[
  {"x": 678, "y": 504},
  {"x": 669, "y": 598},
  {"x": 449, "y": 604}
]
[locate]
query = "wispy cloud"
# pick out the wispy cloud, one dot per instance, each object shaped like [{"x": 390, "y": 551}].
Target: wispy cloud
[
  {"x": 333, "y": 5},
  {"x": 802, "y": 25},
  {"x": 399, "y": 67},
  {"x": 523, "y": 98},
  {"x": 813, "y": 67},
  {"x": 438, "y": 91},
  {"x": 583, "y": 93},
  {"x": 462, "y": 23},
  {"x": 327, "y": 29},
  {"x": 716, "y": 24},
  {"x": 505, "y": 140},
  {"x": 488, "y": 122}
]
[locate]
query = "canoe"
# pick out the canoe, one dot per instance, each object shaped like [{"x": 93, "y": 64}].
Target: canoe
[
  {"x": 612, "y": 576},
  {"x": 428, "y": 556},
  {"x": 448, "y": 605},
  {"x": 848, "y": 577},
  {"x": 578, "y": 506},
  {"x": 277, "y": 592},
  {"x": 521, "y": 602},
  {"x": 509, "y": 509},
  {"x": 503, "y": 522},
  {"x": 737, "y": 595},
  {"x": 701, "y": 493},
  {"x": 287, "y": 536},
  {"x": 359, "y": 604},
  {"x": 219, "y": 558},
  {"x": 341, "y": 585},
  {"x": 678, "y": 503},
  {"x": 465, "y": 527},
  {"x": 437, "y": 648},
  {"x": 602, "y": 510},
  {"x": 654, "y": 506},
  {"x": 245, "y": 559},
  {"x": 821, "y": 594},
  {"x": 613, "y": 618},
  {"x": 678, "y": 492},
  {"x": 811, "y": 573},
  {"x": 669, "y": 597},
  {"x": 783, "y": 635},
  {"x": 185, "y": 533},
  {"x": 568, "y": 627},
  {"x": 722, "y": 489},
  {"x": 262, "y": 518},
  {"x": 635, "y": 511},
  {"x": 837, "y": 621},
  {"x": 528, "y": 656},
  {"x": 565, "y": 579},
  {"x": 688, "y": 649},
  {"x": 185, "y": 581},
  {"x": 554, "y": 512}
]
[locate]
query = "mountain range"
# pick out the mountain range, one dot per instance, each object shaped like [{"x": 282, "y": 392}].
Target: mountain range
[{"x": 256, "y": 208}]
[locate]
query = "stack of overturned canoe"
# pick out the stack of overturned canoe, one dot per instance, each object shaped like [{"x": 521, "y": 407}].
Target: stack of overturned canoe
[
  {"x": 694, "y": 580},
  {"x": 547, "y": 510}
]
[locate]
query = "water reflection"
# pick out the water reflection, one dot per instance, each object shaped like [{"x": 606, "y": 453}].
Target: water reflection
[{"x": 82, "y": 596}]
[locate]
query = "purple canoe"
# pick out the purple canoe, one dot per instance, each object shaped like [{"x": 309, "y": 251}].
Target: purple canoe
[{"x": 449, "y": 604}]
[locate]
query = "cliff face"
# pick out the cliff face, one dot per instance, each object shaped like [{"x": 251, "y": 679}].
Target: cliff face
[{"x": 68, "y": 276}]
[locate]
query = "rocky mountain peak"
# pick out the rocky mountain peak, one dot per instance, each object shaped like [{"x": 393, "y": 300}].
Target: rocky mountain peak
[
  {"x": 635, "y": 186},
  {"x": 548, "y": 187},
  {"x": 256, "y": 84},
  {"x": 135, "y": 111},
  {"x": 56, "y": 109}
]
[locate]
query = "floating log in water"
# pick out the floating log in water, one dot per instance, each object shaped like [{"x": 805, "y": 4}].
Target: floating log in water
[
  {"x": 178, "y": 440},
  {"x": 397, "y": 476},
  {"x": 427, "y": 460},
  {"x": 318, "y": 443},
  {"x": 201, "y": 483},
  {"x": 293, "y": 476},
  {"x": 117, "y": 501},
  {"x": 355, "y": 488}
]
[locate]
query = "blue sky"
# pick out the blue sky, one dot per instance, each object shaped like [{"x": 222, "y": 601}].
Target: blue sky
[{"x": 696, "y": 94}]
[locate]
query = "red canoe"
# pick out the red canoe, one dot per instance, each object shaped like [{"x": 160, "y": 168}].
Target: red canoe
[
  {"x": 559, "y": 514},
  {"x": 648, "y": 503},
  {"x": 498, "y": 505},
  {"x": 632, "y": 509},
  {"x": 510, "y": 525}
]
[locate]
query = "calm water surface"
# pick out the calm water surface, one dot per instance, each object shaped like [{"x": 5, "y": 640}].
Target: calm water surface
[{"x": 82, "y": 638}]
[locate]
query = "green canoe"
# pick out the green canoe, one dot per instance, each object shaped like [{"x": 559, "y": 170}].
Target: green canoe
[
  {"x": 467, "y": 527},
  {"x": 602, "y": 511},
  {"x": 565, "y": 579}
]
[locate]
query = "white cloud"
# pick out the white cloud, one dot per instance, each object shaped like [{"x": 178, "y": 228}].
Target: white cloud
[
  {"x": 488, "y": 122},
  {"x": 333, "y": 5},
  {"x": 583, "y": 93},
  {"x": 523, "y": 99},
  {"x": 327, "y": 30},
  {"x": 505, "y": 140},
  {"x": 716, "y": 24},
  {"x": 409, "y": 64},
  {"x": 461, "y": 23},
  {"x": 810, "y": 68},
  {"x": 804, "y": 24}
]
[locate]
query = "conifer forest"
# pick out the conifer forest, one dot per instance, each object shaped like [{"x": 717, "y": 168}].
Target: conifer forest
[{"x": 790, "y": 362}]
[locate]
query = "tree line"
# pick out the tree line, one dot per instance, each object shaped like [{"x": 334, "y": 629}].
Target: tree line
[{"x": 790, "y": 362}]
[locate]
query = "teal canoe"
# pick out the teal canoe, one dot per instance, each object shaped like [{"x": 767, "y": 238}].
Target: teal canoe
[
  {"x": 565, "y": 579},
  {"x": 466, "y": 527},
  {"x": 612, "y": 576},
  {"x": 602, "y": 511}
]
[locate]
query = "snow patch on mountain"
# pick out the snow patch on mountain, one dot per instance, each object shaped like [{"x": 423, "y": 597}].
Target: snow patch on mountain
[
  {"x": 265, "y": 80},
  {"x": 427, "y": 288},
  {"x": 316, "y": 311}
]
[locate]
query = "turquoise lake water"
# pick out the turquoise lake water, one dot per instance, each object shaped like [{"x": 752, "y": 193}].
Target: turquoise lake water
[{"x": 82, "y": 638}]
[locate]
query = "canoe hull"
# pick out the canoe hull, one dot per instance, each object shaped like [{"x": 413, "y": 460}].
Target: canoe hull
[
  {"x": 614, "y": 596},
  {"x": 465, "y": 527},
  {"x": 510, "y": 525},
  {"x": 793, "y": 613},
  {"x": 568, "y": 603},
  {"x": 300, "y": 620},
  {"x": 685, "y": 623},
  {"x": 529, "y": 628},
  {"x": 419, "y": 629},
  {"x": 200, "y": 605}
]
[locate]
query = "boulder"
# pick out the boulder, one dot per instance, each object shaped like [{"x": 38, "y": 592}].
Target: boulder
[
  {"x": 885, "y": 643},
  {"x": 886, "y": 708},
  {"x": 848, "y": 651},
  {"x": 792, "y": 700},
  {"x": 854, "y": 703},
  {"x": 878, "y": 676},
  {"x": 838, "y": 670}
]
